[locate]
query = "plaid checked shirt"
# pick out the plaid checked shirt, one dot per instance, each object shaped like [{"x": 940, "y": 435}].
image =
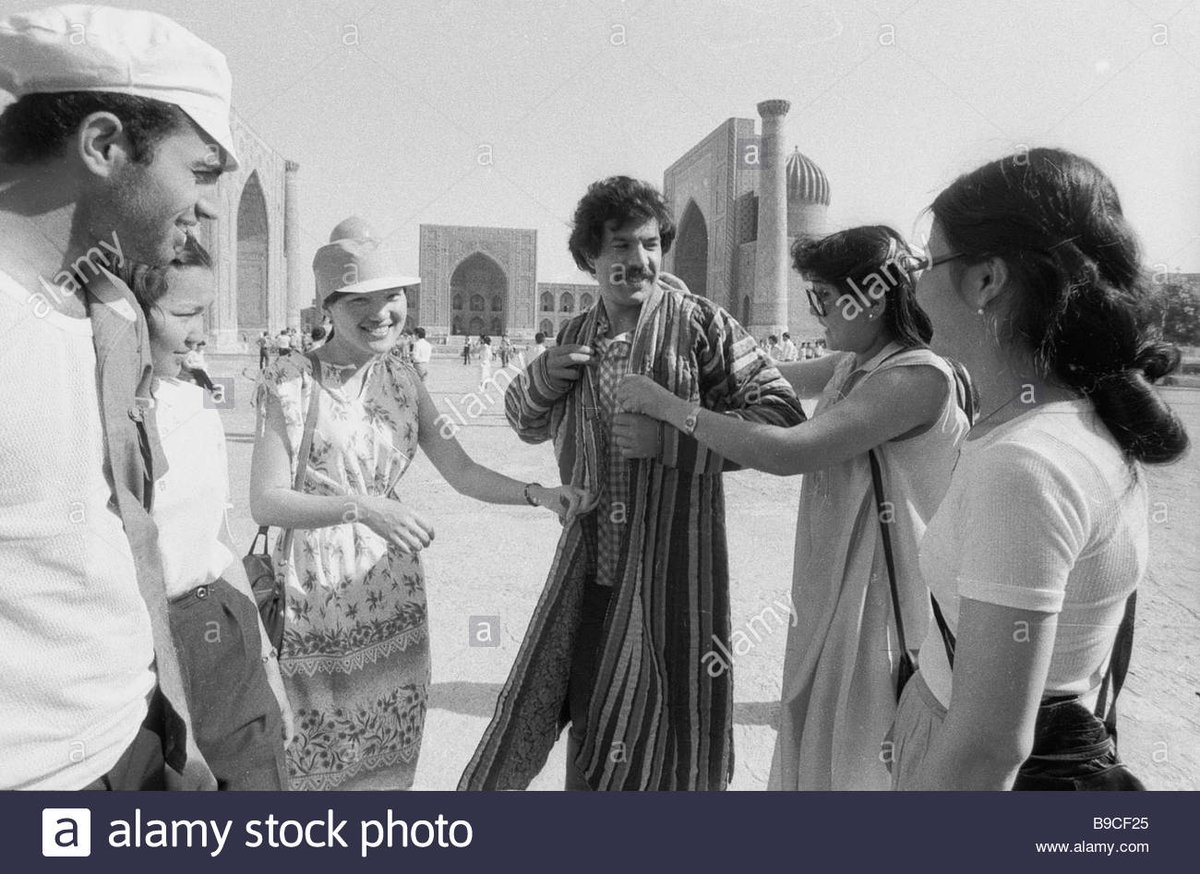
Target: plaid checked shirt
[{"x": 613, "y": 511}]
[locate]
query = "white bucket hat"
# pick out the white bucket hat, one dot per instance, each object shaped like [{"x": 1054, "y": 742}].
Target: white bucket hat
[
  {"x": 122, "y": 51},
  {"x": 350, "y": 266}
]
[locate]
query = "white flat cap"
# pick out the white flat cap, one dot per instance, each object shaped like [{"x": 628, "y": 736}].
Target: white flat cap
[{"x": 123, "y": 51}]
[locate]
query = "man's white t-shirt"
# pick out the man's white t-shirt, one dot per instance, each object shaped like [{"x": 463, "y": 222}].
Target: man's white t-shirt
[{"x": 76, "y": 650}]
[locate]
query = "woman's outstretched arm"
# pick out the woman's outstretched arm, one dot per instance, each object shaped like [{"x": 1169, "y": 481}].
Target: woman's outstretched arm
[
  {"x": 467, "y": 477},
  {"x": 808, "y": 378},
  {"x": 892, "y": 403}
]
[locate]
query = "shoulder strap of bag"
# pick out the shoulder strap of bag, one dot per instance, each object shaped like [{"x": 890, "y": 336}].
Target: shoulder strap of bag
[
  {"x": 947, "y": 635},
  {"x": 880, "y": 510},
  {"x": 310, "y": 423},
  {"x": 968, "y": 402},
  {"x": 964, "y": 387},
  {"x": 1118, "y": 666}
]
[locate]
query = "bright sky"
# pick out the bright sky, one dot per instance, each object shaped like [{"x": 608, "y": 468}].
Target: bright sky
[{"x": 393, "y": 108}]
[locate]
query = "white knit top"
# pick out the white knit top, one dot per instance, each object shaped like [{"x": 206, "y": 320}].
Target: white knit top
[
  {"x": 1042, "y": 514},
  {"x": 191, "y": 498},
  {"x": 75, "y": 641}
]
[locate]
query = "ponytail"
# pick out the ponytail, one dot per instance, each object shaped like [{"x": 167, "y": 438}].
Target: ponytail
[{"x": 1056, "y": 221}]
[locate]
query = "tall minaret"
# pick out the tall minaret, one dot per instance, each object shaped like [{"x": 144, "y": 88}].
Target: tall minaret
[
  {"x": 769, "y": 300},
  {"x": 296, "y": 298}
]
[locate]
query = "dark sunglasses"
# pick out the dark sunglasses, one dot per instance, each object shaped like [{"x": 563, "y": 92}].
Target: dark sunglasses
[{"x": 817, "y": 302}]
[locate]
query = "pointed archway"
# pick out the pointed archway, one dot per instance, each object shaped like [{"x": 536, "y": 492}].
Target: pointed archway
[
  {"x": 691, "y": 250},
  {"x": 252, "y": 262},
  {"x": 481, "y": 284}
]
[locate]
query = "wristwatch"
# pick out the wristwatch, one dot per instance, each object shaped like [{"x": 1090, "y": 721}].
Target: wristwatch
[
  {"x": 693, "y": 419},
  {"x": 529, "y": 499}
]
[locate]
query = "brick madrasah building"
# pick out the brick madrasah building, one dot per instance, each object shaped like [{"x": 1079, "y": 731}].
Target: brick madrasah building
[{"x": 738, "y": 197}]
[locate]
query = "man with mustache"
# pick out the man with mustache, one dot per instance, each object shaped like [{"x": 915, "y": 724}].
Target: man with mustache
[
  {"x": 111, "y": 151},
  {"x": 639, "y": 589}
]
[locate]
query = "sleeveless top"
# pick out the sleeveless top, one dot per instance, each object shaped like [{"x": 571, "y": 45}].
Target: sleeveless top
[{"x": 838, "y": 689}]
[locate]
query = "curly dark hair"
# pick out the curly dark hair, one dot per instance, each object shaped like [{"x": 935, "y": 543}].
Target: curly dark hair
[
  {"x": 37, "y": 127},
  {"x": 620, "y": 199}
]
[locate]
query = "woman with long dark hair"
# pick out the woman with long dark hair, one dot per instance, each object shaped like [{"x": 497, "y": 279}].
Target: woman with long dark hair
[
  {"x": 882, "y": 392},
  {"x": 1035, "y": 282}
]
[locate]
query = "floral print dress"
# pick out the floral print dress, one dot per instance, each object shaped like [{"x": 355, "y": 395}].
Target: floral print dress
[{"x": 355, "y": 659}]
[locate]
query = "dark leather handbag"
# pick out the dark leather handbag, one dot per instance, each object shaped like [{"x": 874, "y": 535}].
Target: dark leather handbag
[
  {"x": 267, "y": 581},
  {"x": 1075, "y": 749}
]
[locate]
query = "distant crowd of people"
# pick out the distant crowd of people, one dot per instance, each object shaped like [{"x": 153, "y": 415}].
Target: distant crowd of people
[
  {"x": 786, "y": 349},
  {"x": 287, "y": 341}
]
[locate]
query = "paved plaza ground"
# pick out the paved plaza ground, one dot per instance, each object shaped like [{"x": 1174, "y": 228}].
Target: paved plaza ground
[{"x": 490, "y": 561}]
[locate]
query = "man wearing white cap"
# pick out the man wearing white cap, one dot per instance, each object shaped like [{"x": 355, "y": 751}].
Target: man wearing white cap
[{"x": 110, "y": 151}]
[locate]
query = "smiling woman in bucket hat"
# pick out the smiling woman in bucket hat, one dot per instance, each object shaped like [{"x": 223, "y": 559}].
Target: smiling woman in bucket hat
[{"x": 355, "y": 654}]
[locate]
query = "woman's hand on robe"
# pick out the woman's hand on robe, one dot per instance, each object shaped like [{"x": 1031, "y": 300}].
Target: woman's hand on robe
[
  {"x": 566, "y": 502},
  {"x": 640, "y": 394},
  {"x": 637, "y": 436}
]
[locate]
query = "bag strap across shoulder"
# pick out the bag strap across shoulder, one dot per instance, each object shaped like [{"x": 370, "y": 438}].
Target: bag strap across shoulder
[
  {"x": 888, "y": 555},
  {"x": 1118, "y": 663},
  {"x": 310, "y": 423},
  {"x": 964, "y": 395},
  {"x": 906, "y": 667}
]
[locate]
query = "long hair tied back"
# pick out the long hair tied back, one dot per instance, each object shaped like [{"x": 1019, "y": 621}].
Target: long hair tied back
[{"x": 1056, "y": 221}]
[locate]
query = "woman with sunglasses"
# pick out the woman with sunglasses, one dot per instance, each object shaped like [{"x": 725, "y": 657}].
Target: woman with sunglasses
[
  {"x": 1042, "y": 536},
  {"x": 882, "y": 390}
]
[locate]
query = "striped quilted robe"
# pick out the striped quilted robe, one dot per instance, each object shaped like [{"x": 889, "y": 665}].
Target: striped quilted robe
[{"x": 657, "y": 719}]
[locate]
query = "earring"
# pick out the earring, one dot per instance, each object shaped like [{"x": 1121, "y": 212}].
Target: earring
[{"x": 979, "y": 311}]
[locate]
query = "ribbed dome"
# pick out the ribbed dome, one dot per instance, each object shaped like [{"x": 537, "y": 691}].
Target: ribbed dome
[{"x": 805, "y": 180}]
